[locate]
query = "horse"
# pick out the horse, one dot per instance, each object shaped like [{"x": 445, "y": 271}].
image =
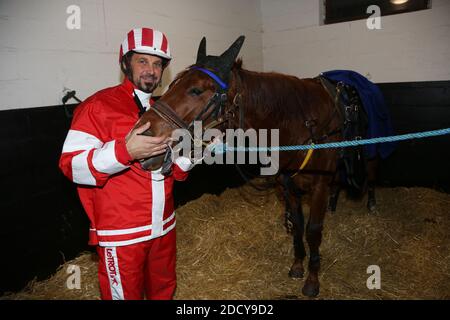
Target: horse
[{"x": 222, "y": 94}]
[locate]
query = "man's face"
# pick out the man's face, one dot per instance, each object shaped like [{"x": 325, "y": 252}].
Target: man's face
[{"x": 146, "y": 71}]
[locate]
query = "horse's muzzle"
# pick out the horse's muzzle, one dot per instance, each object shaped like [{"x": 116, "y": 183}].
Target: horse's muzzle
[{"x": 163, "y": 161}]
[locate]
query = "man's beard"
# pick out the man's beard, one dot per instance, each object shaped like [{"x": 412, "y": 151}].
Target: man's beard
[{"x": 146, "y": 83}]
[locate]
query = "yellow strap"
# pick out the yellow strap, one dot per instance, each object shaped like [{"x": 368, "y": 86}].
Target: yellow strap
[{"x": 305, "y": 161}]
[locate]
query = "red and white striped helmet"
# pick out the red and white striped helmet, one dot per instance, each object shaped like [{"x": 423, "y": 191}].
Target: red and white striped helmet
[{"x": 146, "y": 40}]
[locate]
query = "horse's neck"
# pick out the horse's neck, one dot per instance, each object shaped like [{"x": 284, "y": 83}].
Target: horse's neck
[
  {"x": 247, "y": 84},
  {"x": 274, "y": 100}
]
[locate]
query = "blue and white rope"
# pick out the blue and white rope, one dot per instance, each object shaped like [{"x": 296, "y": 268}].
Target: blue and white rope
[{"x": 222, "y": 148}]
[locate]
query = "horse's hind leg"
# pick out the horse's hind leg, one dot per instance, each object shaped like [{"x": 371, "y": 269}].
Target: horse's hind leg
[
  {"x": 294, "y": 225},
  {"x": 334, "y": 194},
  {"x": 314, "y": 233},
  {"x": 372, "y": 166}
]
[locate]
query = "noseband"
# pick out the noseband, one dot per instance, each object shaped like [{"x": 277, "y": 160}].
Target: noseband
[{"x": 164, "y": 111}]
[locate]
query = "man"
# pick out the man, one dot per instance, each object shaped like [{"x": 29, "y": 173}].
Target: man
[{"x": 131, "y": 210}]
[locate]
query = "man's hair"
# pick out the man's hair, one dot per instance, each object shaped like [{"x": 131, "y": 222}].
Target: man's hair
[{"x": 125, "y": 65}]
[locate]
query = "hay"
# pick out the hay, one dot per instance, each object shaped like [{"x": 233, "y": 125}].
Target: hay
[{"x": 234, "y": 246}]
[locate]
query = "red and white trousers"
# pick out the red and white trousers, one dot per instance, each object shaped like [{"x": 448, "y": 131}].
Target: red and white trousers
[{"x": 142, "y": 269}]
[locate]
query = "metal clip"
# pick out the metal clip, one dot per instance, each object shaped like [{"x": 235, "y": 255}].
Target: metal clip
[
  {"x": 237, "y": 99},
  {"x": 310, "y": 123},
  {"x": 223, "y": 97}
]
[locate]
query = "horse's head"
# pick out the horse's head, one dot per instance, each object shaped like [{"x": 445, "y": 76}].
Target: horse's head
[{"x": 199, "y": 93}]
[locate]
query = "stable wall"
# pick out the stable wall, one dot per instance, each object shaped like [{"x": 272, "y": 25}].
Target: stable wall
[
  {"x": 409, "y": 47},
  {"x": 40, "y": 56}
]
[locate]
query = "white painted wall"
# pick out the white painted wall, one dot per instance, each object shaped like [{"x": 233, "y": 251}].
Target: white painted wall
[
  {"x": 409, "y": 47},
  {"x": 39, "y": 56}
]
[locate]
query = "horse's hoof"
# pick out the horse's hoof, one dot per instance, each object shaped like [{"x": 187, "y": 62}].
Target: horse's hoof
[
  {"x": 372, "y": 207},
  {"x": 332, "y": 206},
  {"x": 311, "y": 288},
  {"x": 331, "y": 210},
  {"x": 297, "y": 271}
]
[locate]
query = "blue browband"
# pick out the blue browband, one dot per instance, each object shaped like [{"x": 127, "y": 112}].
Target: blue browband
[{"x": 222, "y": 84}]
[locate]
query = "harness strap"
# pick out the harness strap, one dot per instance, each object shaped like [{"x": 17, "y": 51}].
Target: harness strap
[
  {"x": 230, "y": 111},
  {"x": 304, "y": 162},
  {"x": 333, "y": 91},
  {"x": 237, "y": 101},
  {"x": 311, "y": 123},
  {"x": 211, "y": 102}
]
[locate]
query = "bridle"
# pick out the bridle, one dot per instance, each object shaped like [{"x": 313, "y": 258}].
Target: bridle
[{"x": 216, "y": 108}]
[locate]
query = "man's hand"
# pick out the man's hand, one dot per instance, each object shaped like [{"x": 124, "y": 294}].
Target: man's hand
[{"x": 142, "y": 147}]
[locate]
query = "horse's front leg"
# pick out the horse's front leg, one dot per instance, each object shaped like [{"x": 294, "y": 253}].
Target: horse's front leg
[
  {"x": 297, "y": 270},
  {"x": 294, "y": 224},
  {"x": 319, "y": 197}
]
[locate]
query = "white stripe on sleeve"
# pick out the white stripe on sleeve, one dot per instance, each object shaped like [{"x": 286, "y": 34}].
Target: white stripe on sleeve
[
  {"x": 79, "y": 140},
  {"x": 105, "y": 160},
  {"x": 80, "y": 170}
]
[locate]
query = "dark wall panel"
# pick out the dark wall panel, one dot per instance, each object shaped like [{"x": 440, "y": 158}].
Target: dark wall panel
[
  {"x": 43, "y": 221},
  {"x": 416, "y": 107}
]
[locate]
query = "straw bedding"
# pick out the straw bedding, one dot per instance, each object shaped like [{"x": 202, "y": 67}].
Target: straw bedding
[{"x": 234, "y": 246}]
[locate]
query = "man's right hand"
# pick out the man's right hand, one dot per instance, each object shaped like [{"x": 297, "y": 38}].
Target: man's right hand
[{"x": 141, "y": 146}]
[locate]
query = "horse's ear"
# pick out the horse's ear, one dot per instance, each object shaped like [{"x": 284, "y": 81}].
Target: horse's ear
[
  {"x": 201, "y": 53},
  {"x": 231, "y": 54}
]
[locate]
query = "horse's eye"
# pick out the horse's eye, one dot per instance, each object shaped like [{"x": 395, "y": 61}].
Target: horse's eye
[{"x": 195, "y": 92}]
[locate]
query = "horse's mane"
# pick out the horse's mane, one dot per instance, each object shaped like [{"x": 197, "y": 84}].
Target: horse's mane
[
  {"x": 179, "y": 76},
  {"x": 272, "y": 93}
]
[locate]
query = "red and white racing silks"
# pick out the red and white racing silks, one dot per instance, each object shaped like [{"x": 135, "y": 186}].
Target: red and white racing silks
[
  {"x": 128, "y": 272},
  {"x": 126, "y": 208}
]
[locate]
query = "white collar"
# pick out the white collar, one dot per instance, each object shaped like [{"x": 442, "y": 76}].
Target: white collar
[{"x": 144, "y": 97}]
